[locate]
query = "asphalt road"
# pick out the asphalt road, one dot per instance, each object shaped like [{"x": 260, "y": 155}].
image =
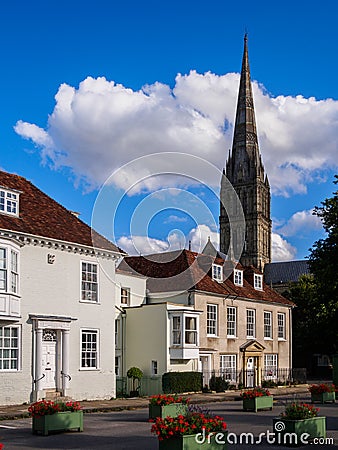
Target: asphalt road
[{"x": 130, "y": 430}]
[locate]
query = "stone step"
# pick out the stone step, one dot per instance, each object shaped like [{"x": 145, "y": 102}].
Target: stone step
[{"x": 56, "y": 396}]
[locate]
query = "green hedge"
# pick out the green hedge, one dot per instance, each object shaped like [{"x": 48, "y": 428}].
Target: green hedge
[{"x": 178, "y": 382}]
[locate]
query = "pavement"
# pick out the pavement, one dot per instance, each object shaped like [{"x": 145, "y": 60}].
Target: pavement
[{"x": 10, "y": 412}]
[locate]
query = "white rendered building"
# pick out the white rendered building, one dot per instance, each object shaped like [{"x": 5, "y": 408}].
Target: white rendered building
[{"x": 57, "y": 305}]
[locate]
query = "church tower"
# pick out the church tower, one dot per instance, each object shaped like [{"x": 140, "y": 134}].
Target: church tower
[{"x": 245, "y": 171}]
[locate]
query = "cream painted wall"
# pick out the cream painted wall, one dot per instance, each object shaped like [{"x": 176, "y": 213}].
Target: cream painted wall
[
  {"x": 224, "y": 345},
  {"x": 147, "y": 338},
  {"x": 55, "y": 289}
]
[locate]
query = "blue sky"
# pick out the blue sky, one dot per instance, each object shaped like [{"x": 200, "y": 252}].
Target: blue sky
[{"x": 135, "y": 78}]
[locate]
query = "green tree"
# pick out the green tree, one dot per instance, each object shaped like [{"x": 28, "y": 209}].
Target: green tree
[
  {"x": 324, "y": 267},
  {"x": 315, "y": 327}
]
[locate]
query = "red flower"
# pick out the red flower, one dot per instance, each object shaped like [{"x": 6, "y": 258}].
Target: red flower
[
  {"x": 253, "y": 393},
  {"x": 163, "y": 400},
  {"x": 192, "y": 423},
  {"x": 45, "y": 407},
  {"x": 321, "y": 388}
]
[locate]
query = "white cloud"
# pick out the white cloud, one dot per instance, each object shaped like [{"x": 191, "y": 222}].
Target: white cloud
[
  {"x": 301, "y": 224},
  {"x": 100, "y": 126},
  {"x": 173, "y": 218},
  {"x": 199, "y": 237},
  {"x": 281, "y": 249},
  {"x": 144, "y": 245}
]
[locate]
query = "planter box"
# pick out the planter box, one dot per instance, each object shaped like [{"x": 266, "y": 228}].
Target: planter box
[
  {"x": 257, "y": 403},
  {"x": 172, "y": 410},
  {"x": 61, "y": 421},
  {"x": 289, "y": 432},
  {"x": 189, "y": 442},
  {"x": 324, "y": 397}
]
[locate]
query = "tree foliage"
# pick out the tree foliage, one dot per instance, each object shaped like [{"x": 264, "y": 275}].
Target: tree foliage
[{"x": 315, "y": 327}]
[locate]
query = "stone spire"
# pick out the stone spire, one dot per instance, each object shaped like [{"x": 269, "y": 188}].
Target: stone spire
[
  {"x": 245, "y": 171},
  {"x": 245, "y": 163}
]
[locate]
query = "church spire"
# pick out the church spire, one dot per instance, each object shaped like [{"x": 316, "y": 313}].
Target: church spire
[
  {"x": 245, "y": 171},
  {"x": 245, "y": 158}
]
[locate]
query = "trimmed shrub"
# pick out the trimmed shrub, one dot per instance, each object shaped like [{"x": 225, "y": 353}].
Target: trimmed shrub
[
  {"x": 178, "y": 382},
  {"x": 218, "y": 384}
]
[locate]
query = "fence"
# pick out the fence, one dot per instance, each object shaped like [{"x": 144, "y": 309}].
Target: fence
[
  {"x": 219, "y": 380},
  {"x": 147, "y": 386},
  {"x": 249, "y": 378}
]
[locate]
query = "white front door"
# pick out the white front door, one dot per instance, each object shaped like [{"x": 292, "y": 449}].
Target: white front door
[
  {"x": 250, "y": 372},
  {"x": 49, "y": 359}
]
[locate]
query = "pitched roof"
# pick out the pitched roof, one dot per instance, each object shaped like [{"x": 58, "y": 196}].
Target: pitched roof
[
  {"x": 40, "y": 215},
  {"x": 285, "y": 272},
  {"x": 183, "y": 270}
]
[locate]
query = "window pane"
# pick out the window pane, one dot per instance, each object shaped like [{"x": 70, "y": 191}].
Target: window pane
[
  {"x": 212, "y": 320},
  {"x": 231, "y": 321},
  {"x": 89, "y": 286},
  {"x": 176, "y": 330},
  {"x": 89, "y": 351},
  {"x": 9, "y": 348}
]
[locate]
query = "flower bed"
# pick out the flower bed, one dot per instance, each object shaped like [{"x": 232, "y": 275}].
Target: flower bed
[
  {"x": 163, "y": 400},
  {"x": 254, "y": 393},
  {"x": 167, "y": 405},
  {"x": 190, "y": 431},
  {"x": 299, "y": 424},
  {"x": 55, "y": 416},
  {"x": 257, "y": 399},
  {"x": 322, "y": 393}
]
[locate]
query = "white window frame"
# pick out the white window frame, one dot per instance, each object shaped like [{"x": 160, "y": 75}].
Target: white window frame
[
  {"x": 270, "y": 366},
  {"x": 231, "y": 319},
  {"x": 250, "y": 323},
  {"x": 88, "y": 331},
  {"x": 258, "y": 282},
  {"x": 10, "y": 268},
  {"x": 9, "y": 202},
  {"x": 85, "y": 292},
  {"x": 8, "y": 348},
  {"x": 176, "y": 330},
  {"x": 217, "y": 272},
  {"x": 281, "y": 318},
  {"x": 228, "y": 367},
  {"x": 212, "y": 320},
  {"x": 154, "y": 367},
  {"x": 238, "y": 277},
  {"x": 267, "y": 325},
  {"x": 190, "y": 334},
  {"x": 125, "y": 294}
]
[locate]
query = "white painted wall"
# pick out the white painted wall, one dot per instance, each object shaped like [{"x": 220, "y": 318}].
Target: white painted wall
[
  {"x": 136, "y": 284},
  {"x": 55, "y": 289}
]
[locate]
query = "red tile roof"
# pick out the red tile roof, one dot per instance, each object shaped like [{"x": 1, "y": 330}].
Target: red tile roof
[
  {"x": 40, "y": 215},
  {"x": 184, "y": 270}
]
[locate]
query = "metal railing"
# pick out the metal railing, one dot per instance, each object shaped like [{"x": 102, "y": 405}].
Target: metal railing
[{"x": 225, "y": 379}]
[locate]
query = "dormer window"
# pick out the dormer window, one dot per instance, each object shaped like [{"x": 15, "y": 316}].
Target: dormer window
[
  {"x": 9, "y": 202},
  {"x": 258, "y": 282},
  {"x": 238, "y": 277},
  {"x": 217, "y": 272}
]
